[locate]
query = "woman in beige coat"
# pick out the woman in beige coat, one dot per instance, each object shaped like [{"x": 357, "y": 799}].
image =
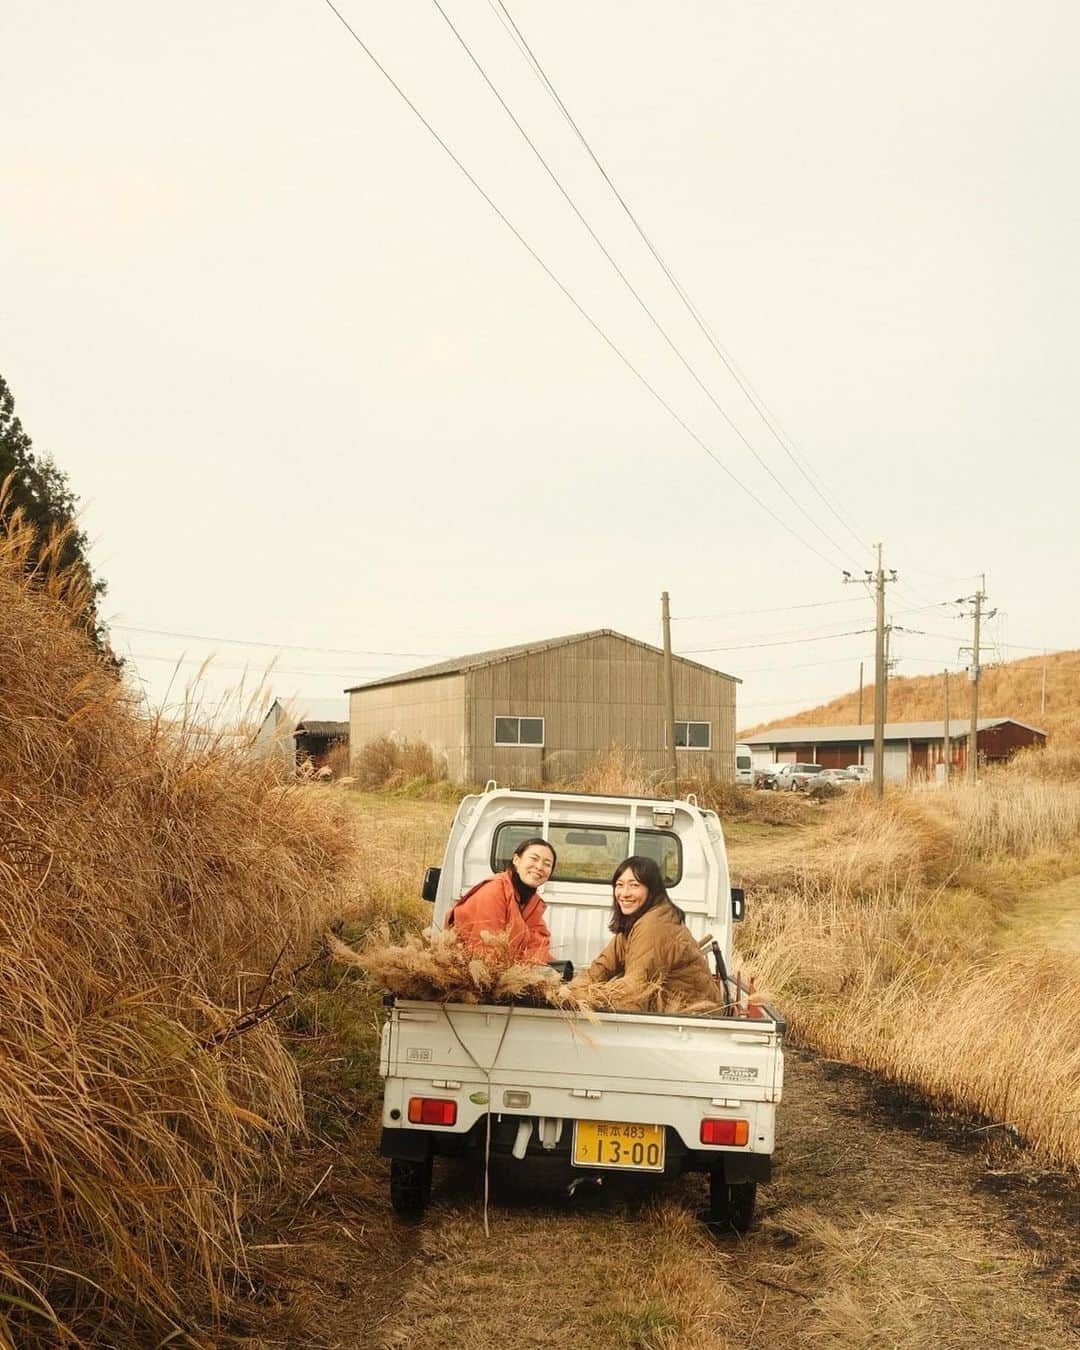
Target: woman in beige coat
[{"x": 652, "y": 944}]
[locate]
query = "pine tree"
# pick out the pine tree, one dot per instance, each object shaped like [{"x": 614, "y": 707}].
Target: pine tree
[{"x": 35, "y": 486}]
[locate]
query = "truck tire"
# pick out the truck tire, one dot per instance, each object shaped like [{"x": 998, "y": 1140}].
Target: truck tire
[
  {"x": 731, "y": 1206},
  {"x": 410, "y": 1186}
]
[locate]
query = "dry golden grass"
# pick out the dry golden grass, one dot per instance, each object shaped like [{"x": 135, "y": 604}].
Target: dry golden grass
[
  {"x": 880, "y": 1281},
  {"x": 880, "y": 934},
  {"x": 387, "y": 762},
  {"x": 436, "y": 966},
  {"x": 618, "y": 770},
  {"x": 155, "y": 885},
  {"x": 658, "y": 1286}
]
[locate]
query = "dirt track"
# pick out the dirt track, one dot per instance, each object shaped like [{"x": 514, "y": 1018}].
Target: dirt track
[
  {"x": 881, "y": 1228},
  {"x": 885, "y": 1226}
]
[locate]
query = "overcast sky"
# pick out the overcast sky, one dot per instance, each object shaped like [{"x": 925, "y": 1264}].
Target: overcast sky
[{"x": 314, "y": 394}]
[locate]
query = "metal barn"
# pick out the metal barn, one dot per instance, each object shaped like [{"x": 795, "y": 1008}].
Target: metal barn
[
  {"x": 912, "y": 750},
  {"x": 538, "y": 712}
]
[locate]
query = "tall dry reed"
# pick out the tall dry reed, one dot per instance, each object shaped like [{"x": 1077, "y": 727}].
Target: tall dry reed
[
  {"x": 153, "y": 884},
  {"x": 880, "y": 936}
]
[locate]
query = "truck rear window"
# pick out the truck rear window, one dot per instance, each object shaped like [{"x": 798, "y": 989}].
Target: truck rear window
[{"x": 590, "y": 852}]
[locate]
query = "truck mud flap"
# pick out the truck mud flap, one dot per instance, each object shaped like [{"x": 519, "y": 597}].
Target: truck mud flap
[
  {"x": 413, "y": 1145},
  {"x": 742, "y": 1167},
  {"x": 416, "y": 1145}
]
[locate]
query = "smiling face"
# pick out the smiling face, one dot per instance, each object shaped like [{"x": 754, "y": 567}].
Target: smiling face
[
  {"x": 630, "y": 894},
  {"x": 533, "y": 864}
]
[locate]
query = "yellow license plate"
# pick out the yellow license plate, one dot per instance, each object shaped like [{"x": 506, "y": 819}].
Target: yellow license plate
[{"x": 617, "y": 1143}]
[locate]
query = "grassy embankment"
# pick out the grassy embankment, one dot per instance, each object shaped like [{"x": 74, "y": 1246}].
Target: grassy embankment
[
  {"x": 157, "y": 889},
  {"x": 920, "y": 938}
]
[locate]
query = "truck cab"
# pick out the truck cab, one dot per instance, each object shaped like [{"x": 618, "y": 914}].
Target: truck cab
[{"x": 591, "y": 835}]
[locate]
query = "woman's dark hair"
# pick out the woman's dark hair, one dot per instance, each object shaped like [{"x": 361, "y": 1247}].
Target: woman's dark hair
[
  {"x": 528, "y": 843},
  {"x": 647, "y": 871}
]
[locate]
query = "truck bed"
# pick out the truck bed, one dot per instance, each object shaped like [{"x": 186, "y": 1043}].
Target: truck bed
[{"x": 670, "y": 1069}]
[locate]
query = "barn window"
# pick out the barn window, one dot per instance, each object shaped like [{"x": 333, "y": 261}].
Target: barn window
[
  {"x": 693, "y": 735},
  {"x": 519, "y": 731}
]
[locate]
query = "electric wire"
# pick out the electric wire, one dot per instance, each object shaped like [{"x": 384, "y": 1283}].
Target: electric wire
[
  {"x": 675, "y": 349},
  {"x": 213, "y": 663},
  {"x": 278, "y": 646},
  {"x": 756, "y": 401},
  {"x": 787, "y": 642},
  {"x": 773, "y": 609},
  {"x": 593, "y": 324}
]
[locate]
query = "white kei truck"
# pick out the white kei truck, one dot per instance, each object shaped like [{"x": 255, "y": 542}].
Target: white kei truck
[{"x": 638, "y": 1092}]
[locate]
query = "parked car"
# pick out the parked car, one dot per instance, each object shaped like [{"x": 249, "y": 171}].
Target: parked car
[
  {"x": 744, "y": 766},
  {"x": 765, "y": 775},
  {"x": 861, "y": 773},
  {"x": 838, "y": 777},
  {"x": 797, "y": 777}
]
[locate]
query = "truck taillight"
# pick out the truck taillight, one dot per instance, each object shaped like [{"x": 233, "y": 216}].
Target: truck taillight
[
  {"x": 725, "y": 1131},
  {"x": 432, "y": 1111}
]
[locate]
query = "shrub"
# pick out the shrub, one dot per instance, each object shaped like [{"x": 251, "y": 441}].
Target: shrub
[
  {"x": 617, "y": 771},
  {"x": 388, "y": 762}
]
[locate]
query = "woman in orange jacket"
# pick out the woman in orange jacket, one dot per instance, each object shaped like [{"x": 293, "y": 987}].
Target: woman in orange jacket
[{"x": 508, "y": 903}]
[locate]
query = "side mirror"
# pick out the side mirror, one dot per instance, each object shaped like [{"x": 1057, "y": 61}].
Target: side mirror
[
  {"x": 430, "y": 887},
  {"x": 738, "y": 903}
]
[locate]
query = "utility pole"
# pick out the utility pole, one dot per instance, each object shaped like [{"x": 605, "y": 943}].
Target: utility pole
[
  {"x": 975, "y": 670},
  {"x": 860, "y": 693},
  {"x": 669, "y": 696},
  {"x": 877, "y": 579},
  {"x": 946, "y": 745},
  {"x": 888, "y": 668}
]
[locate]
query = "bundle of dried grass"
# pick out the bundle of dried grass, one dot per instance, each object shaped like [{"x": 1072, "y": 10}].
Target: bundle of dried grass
[
  {"x": 435, "y": 966},
  {"x": 151, "y": 880}
]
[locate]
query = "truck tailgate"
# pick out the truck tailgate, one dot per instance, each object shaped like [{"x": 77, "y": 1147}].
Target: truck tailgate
[{"x": 662, "y": 1054}]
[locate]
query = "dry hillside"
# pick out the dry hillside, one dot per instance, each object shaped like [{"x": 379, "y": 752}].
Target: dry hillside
[{"x": 1012, "y": 689}]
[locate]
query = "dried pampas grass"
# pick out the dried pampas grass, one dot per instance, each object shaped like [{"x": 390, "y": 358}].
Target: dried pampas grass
[{"x": 435, "y": 966}]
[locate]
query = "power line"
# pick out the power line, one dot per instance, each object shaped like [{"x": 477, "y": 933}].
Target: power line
[
  {"x": 626, "y": 280},
  {"x": 215, "y": 664},
  {"x": 593, "y": 324},
  {"x": 278, "y": 646},
  {"x": 695, "y": 313},
  {"x": 788, "y": 642},
  {"x": 797, "y": 665},
  {"x": 774, "y": 609}
]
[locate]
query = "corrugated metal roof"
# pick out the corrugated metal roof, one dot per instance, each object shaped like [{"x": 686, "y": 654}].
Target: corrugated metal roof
[
  {"x": 894, "y": 731},
  {"x": 474, "y": 660},
  {"x": 311, "y": 727}
]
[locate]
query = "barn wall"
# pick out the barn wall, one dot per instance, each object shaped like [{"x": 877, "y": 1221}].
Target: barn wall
[
  {"x": 274, "y": 740},
  {"x": 594, "y": 694},
  {"x": 1002, "y": 741},
  {"x": 431, "y": 710}
]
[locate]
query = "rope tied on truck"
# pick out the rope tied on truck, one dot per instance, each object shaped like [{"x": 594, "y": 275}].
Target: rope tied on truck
[{"x": 487, "y": 1072}]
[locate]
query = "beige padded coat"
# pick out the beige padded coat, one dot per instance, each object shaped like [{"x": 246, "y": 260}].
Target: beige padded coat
[{"x": 659, "y": 947}]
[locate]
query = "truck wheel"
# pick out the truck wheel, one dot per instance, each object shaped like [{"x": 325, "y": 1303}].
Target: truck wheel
[
  {"x": 410, "y": 1186},
  {"x": 731, "y": 1206}
]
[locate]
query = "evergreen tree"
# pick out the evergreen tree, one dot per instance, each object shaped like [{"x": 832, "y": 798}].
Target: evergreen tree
[{"x": 41, "y": 491}]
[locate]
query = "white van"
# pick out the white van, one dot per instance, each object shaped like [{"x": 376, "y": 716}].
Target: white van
[{"x": 744, "y": 766}]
